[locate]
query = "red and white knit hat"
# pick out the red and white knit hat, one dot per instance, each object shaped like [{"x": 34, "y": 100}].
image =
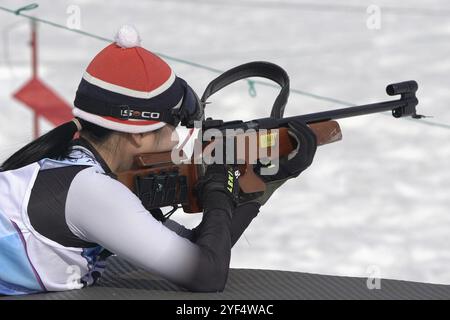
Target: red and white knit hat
[{"x": 127, "y": 88}]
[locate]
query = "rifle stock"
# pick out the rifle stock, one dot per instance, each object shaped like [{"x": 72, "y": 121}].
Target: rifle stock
[{"x": 154, "y": 164}]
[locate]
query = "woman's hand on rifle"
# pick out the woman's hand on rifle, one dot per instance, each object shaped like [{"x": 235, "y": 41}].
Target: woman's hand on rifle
[
  {"x": 218, "y": 179},
  {"x": 289, "y": 166}
]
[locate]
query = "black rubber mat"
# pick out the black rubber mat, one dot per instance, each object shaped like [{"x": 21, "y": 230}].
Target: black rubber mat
[{"x": 121, "y": 280}]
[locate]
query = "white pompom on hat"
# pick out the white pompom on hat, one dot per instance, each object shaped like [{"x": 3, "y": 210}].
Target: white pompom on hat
[{"x": 127, "y": 37}]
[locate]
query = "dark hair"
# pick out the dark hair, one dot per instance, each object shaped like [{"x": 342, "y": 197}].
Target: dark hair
[{"x": 54, "y": 144}]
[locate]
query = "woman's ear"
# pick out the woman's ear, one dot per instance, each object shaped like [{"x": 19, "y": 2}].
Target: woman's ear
[{"x": 136, "y": 139}]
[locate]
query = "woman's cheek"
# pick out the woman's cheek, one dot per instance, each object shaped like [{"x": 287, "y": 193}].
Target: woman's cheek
[
  {"x": 168, "y": 139},
  {"x": 174, "y": 138}
]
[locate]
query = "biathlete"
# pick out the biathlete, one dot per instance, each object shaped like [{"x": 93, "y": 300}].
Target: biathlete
[{"x": 63, "y": 212}]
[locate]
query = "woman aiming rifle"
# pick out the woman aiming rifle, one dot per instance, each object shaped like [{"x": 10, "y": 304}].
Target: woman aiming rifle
[{"x": 61, "y": 206}]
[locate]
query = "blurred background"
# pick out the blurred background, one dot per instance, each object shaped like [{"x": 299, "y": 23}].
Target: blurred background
[{"x": 376, "y": 203}]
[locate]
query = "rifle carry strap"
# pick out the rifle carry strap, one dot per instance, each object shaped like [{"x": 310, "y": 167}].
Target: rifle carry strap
[{"x": 254, "y": 69}]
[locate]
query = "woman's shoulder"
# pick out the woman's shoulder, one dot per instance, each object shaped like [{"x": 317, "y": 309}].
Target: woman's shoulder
[
  {"x": 92, "y": 183},
  {"x": 93, "y": 177}
]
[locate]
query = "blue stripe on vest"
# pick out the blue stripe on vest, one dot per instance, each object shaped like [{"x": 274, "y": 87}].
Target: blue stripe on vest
[{"x": 16, "y": 273}]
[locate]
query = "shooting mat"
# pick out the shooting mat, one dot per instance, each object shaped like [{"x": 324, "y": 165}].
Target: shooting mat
[{"x": 122, "y": 280}]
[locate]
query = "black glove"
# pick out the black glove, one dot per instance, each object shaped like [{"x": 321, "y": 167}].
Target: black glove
[
  {"x": 218, "y": 180},
  {"x": 289, "y": 166}
]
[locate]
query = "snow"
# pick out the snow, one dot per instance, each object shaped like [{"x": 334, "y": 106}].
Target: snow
[{"x": 380, "y": 197}]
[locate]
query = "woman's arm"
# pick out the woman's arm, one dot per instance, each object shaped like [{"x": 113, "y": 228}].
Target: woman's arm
[
  {"x": 242, "y": 217},
  {"x": 100, "y": 209}
]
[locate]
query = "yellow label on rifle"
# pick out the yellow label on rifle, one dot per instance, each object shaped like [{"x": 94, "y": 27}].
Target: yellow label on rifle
[{"x": 267, "y": 140}]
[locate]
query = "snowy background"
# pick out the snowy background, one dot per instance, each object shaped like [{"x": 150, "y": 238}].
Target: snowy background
[{"x": 377, "y": 201}]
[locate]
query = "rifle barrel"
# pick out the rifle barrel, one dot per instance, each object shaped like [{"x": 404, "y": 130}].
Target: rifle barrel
[
  {"x": 346, "y": 112},
  {"x": 405, "y": 106}
]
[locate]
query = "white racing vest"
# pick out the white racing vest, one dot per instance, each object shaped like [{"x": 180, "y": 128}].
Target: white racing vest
[{"x": 30, "y": 262}]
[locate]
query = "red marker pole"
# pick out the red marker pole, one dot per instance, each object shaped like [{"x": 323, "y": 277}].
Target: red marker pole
[
  {"x": 38, "y": 96},
  {"x": 34, "y": 65}
]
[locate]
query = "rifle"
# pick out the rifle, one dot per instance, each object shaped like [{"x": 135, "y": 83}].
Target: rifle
[{"x": 160, "y": 181}]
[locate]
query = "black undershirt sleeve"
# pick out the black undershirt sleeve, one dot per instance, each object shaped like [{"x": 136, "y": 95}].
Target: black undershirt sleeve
[
  {"x": 215, "y": 235},
  {"x": 242, "y": 217}
]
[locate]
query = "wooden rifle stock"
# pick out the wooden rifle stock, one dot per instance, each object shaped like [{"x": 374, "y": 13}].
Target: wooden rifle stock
[{"x": 274, "y": 142}]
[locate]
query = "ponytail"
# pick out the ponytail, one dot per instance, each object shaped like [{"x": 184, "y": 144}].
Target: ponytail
[{"x": 54, "y": 144}]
